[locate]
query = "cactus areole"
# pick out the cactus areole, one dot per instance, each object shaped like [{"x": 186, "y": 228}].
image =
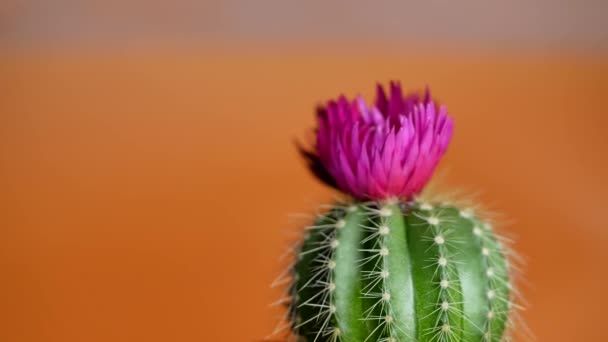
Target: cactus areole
[{"x": 386, "y": 266}]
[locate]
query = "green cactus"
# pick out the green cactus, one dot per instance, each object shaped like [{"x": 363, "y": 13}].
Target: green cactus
[
  {"x": 390, "y": 271},
  {"x": 388, "y": 267}
]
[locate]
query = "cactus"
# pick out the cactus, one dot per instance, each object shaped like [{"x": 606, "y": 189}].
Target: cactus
[
  {"x": 387, "y": 266},
  {"x": 401, "y": 272}
]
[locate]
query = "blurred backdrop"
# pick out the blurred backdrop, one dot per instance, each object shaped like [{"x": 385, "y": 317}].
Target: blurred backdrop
[{"x": 148, "y": 175}]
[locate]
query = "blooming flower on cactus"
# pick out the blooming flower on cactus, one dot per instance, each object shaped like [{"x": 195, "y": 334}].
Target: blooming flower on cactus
[{"x": 386, "y": 150}]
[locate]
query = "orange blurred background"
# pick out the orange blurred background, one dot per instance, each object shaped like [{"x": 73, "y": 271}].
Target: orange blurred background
[{"x": 146, "y": 184}]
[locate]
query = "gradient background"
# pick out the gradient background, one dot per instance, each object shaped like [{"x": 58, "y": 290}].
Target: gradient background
[{"x": 147, "y": 170}]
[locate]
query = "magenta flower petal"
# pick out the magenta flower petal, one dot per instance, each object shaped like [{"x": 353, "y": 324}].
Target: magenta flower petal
[{"x": 388, "y": 150}]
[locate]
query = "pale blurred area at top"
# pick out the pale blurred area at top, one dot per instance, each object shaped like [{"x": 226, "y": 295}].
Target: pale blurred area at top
[{"x": 563, "y": 24}]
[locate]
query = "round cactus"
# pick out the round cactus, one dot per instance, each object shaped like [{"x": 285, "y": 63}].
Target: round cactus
[
  {"x": 388, "y": 267},
  {"x": 400, "y": 272}
]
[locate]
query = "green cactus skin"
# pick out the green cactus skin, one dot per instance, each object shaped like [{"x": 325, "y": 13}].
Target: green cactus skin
[{"x": 400, "y": 272}]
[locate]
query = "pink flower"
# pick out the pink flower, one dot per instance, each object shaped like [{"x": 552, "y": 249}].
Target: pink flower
[{"x": 388, "y": 150}]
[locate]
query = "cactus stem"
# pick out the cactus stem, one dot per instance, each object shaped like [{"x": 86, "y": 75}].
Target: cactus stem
[{"x": 393, "y": 271}]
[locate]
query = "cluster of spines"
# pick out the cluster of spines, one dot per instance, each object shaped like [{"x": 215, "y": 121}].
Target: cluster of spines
[
  {"x": 321, "y": 255},
  {"x": 500, "y": 267},
  {"x": 376, "y": 289},
  {"x": 445, "y": 274},
  {"x": 494, "y": 271},
  {"x": 499, "y": 292},
  {"x": 321, "y": 279}
]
